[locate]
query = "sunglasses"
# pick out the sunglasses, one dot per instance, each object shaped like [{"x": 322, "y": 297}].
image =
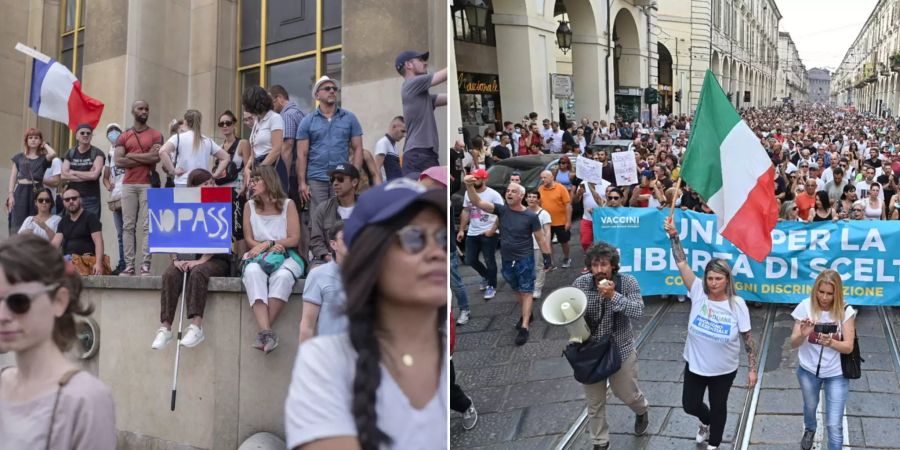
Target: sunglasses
[
  {"x": 44, "y": 200},
  {"x": 70, "y": 199},
  {"x": 857, "y": 210},
  {"x": 226, "y": 123},
  {"x": 329, "y": 89},
  {"x": 414, "y": 238},
  {"x": 86, "y": 133},
  {"x": 20, "y": 302},
  {"x": 337, "y": 178},
  {"x": 614, "y": 197}
]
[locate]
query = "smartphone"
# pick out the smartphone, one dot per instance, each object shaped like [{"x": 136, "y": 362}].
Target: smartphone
[{"x": 825, "y": 328}]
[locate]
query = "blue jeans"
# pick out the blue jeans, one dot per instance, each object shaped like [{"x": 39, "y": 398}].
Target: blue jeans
[
  {"x": 456, "y": 283},
  {"x": 117, "y": 219},
  {"x": 91, "y": 205},
  {"x": 488, "y": 247},
  {"x": 836, "y": 390}
]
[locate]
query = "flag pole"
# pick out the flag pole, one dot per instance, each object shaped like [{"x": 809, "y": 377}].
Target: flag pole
[
  {"x": 32, "y": 53},
  {"x": 675, "y": 197}
]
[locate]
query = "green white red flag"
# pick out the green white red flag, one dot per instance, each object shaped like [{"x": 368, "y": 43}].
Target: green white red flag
[{"x": 726, "y": 164}]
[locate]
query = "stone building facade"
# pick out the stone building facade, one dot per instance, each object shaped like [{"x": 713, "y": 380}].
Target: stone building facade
[
  {"x": 792, "y": 84},
  {"x": 819, "y": 85}
]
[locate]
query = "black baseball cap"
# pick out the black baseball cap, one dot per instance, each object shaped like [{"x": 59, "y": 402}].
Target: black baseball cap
[
  {"x": 346, "y": 169},
  {"x": 403, "y": 57}
]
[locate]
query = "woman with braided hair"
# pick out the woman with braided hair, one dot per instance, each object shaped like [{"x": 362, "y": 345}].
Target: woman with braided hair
[{"x": 383, "y": 384}]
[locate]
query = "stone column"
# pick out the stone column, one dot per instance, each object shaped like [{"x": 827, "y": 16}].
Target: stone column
[
  {"x": 524, "y": 61},
  {"x": 589, "y": 58}
]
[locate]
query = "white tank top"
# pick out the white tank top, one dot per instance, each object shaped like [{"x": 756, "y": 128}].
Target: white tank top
[
  {"x": 873, "y": 213},
  {"x": 268, "y": 227}
]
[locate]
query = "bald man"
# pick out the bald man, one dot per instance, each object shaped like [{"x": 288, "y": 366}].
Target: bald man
[
  {"x": 517, "y": 226},
  {"x": 555, "y": 200}
]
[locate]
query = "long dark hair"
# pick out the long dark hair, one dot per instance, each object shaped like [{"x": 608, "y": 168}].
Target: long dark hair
[
  {"x": 361, "y": 286},
  {"x": 28, "y": 258}
]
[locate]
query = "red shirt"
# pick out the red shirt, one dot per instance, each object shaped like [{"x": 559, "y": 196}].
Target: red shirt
[
  {"x": 805, "y": 203},
  {"x": 139, "y": 142}
]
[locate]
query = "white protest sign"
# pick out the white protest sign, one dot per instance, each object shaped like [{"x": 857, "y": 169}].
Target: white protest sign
[
  {"x": 625, "y": 167},
  {"x": 589, "y": 170}
]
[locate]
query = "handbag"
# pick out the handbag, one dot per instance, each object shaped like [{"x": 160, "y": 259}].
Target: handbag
[
  {"x": 851, "y": 364},
  {"x": 269, "y": 262},
  {"x": 231, "y": 170},
  {"x": 595, "y": 359},
  {"x": 84, "y": 264}
]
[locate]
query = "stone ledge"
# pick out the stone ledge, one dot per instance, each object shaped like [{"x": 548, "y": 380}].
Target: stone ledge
[{"x": 216, "y": 284}]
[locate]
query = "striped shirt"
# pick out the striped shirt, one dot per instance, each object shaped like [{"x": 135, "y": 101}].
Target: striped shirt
[{"x": 625, "y": 306}]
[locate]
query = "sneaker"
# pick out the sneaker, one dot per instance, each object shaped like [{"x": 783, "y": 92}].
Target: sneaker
[
  {"x": 530, "y": 321},
  {"x": 566, "y": 263},
  {"x": 489, "y": 292},
  {"x": 163, "y": 336},
  {"x": 271, "y": 342},
  {"x": 470, "y": 417},
  {"x": 681, "y": 299},
  {"x": 601, "y": 447},
  {"x": 702, "y": 434},
  {"x": 806, "y": 441},
  {"x": 483, "y": 285},
  {"x": 641, "y": 421},
  {"x": 260, "y": 341},
  {"x": 463, "y": 319},
  {"x": 522, "y": 337},
  {"x": 193, "y": 336},
  {"x": 536, "y": 295},
  {"x": 127, "y": 272},
  {"x": 145, "y": 270},
  {"x": 712, "y": 447}
]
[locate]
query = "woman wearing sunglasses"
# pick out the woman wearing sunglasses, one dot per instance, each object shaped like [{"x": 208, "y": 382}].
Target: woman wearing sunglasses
[
  {"x": 45, "y": 400},
  {"x": 44, "y": 222},
  {"x": 271, "y": 228},
  {"x": 383, "y": 384}
]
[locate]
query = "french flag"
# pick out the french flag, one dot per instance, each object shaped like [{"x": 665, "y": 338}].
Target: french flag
[
  {"x": 56, "y": 94},
  {"x": 201, "y": 195}
]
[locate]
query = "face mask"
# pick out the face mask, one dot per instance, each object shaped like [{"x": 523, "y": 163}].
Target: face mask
[{"x": 113, "y": 135}]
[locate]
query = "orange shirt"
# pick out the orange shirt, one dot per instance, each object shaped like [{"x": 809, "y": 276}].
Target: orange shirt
[
  {"x": 554, "y": 200},
  {"x": 805, "y": 203}
]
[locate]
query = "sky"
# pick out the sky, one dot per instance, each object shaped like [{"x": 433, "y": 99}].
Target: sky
[{"x": 823, "y": 30}]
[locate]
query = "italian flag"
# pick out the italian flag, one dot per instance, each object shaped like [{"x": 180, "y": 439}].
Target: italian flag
[{"x": 727, "y": 166}]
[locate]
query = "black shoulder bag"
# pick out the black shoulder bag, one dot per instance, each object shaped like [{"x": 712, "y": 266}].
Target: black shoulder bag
[
  {"x": 231, "y": 170},
  {"x": 170, "y": 179},
  {"x": 851, "y": 363},
  {"x": 154, "y": 175},
  {"x": 595, "y": 359}
]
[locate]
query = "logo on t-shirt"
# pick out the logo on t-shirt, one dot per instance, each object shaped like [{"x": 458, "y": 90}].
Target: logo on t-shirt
[{"x": 713, "y": 325}]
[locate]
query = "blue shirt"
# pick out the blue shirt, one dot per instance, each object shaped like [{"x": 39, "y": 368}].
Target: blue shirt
[{"x": 329, "y": 140}]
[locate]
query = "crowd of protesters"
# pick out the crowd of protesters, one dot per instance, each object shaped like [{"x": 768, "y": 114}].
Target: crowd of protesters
[
  {"x": 831, "y": 164},
  {"x": 370, "y": 230}
]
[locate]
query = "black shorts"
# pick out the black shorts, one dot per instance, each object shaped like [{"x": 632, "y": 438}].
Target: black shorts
[{"x": 562, "y": 235}]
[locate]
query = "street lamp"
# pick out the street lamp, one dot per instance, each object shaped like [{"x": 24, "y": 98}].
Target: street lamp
[
  {"x": 564, "y": 36},
  {"x": 476, "y": 13}
]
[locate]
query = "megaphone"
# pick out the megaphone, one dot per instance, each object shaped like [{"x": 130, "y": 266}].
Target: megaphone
[{"x": 566, "y": 306}]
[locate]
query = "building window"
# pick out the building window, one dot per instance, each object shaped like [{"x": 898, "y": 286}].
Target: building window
[
  {"x": 288, "y": 42},
  {"x": 465, "y": 31},
  {"x": 71, "y": 55}
]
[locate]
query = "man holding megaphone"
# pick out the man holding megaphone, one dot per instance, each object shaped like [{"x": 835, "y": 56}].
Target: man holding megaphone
[
  {"x": 613, "y": 301},
  {"x": 517, "y": 226}
]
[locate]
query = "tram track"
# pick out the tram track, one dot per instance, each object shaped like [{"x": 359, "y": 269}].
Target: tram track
[
  {"x": 745, "y": 421},
  {"x": 580, "y": 423}
]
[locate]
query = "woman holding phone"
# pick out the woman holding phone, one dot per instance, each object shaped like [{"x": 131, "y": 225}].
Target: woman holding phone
[{"x": 825, "y": 328}]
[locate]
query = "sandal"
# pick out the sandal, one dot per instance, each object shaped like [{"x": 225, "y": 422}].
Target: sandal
[
  {"x": 127, "y": 272},
  {"x": 145, "y": 270}
]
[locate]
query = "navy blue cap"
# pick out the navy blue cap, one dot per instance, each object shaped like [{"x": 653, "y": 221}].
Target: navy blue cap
[
  {"x": 385, "y": 201},
  {"x": 403, "y": 57},
  {"x": 84, "y": 125},
  {"x": 346, "y": 169}
]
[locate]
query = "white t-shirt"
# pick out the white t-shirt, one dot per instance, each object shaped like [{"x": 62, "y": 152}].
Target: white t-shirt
[
  {"x": 588, "y": 200},
  {"x": 480, "y": 221},
  {"x": 809, "y": 352},
  {"x": 544, "y": 218},
  {"x": 345, "y": 211},
  {"x": 321, "y": 392},
  {"x": 117, "y": 175},
  {"x": 713, "y": 341},
  {"x": 385, "y": 147},
  {"x": 862, "y": 190},
  {"x": 29, "y": 225},
  {"x": 261, "y": 135},
  {"x": 54, "y": 170},
  {"x": 190, "y": 158},
  {"x": 557, "y": 142}
]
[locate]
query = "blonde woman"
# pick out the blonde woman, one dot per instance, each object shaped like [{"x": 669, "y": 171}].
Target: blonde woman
[
  {"x": 189, "y": 150},
  {"x": 825, "y": 328}
]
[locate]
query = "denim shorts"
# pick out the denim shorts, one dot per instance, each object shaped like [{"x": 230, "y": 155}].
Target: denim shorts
[{"x": 519, "y": 274}]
